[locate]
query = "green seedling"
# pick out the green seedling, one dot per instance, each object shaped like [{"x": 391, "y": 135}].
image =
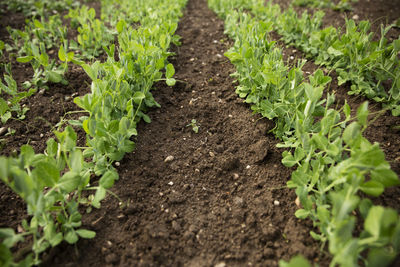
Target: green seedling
[{"x": 194, "y": 126}]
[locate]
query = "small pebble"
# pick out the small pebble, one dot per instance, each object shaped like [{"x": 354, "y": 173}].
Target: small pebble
[
  {"x": 248, "y": 167},
  {"x": 41, "y": 135},
  {"x": 169, "y": 158},
  {"x": 171, "y": 183},
  {"x": 3, "y": 130},
  {"x": 291, "y": 57},
  {"x": 212, "y": 154},
  {"x": 297, "y": 201},
  {"x": 355, "y": 17},
  {"x": 276, "y": 203},
  {"x": 235, "y": 176},
  {"x": 117, "y": 164},
  {"x": 221, "y": 264}
]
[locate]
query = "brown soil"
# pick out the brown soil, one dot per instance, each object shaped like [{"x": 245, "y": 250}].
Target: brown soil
[{"x": 214, "y": 202}]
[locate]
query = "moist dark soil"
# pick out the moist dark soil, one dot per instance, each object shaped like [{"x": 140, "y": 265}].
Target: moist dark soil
[{"x": 212, "y": 198}]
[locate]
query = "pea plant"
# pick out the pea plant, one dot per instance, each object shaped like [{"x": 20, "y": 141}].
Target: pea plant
[
  {"x": 39, "y": 8},
  {"x": 336, "y": 167},
  {"x": 93, "y": 34},
  {"x": 372, "y": 67},
  {"x": 342, "y": 5},
  {"x": 52, "y": 199},
  {"x": 11, "y": 104}
]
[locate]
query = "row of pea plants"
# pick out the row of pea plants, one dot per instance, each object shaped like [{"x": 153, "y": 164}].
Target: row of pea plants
[
  {"x": 342, "y": 5},
  {"x": 372, "y": 67},
  {"x": 53, "y": 183},
  {"x": 44, "y": 44},
  {"x": 335, "y": 165}
]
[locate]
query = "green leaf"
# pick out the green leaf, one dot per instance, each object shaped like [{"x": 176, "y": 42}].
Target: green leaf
[
  {"x": 362, "y": 113},
  {"x": 54, "y": 77},
  {"x": 6, "y": 257},
  {"x": 302, "y": 213},
  {"x": 38, "y": 24},
  {"x": 334, "y": 51},
  {"x": 25, "y": 59},
  {"x": 90, "y": 71},
  {"x": 169, "y": 71},
  {"x": 69, "y": 182},
  {"x": 373, "y": 221},
  {"x": 170, "y": 81},
  {"x": 56, "y": 239},
  {"x": 297, "y": 261},
  {"x": 351, "y": 133},
  {"x": 372, "y": 188},
  {"x": 71, "y": 237},
  {"x": 27, "y": 154},
  {"x": 120, "y": 25},
  {"x": 346, "y": 110},
  {"x": 52, "y": 147},
  {"x": 364, "y": 207},
  {"x": 386, "y": 176},
  {"x": 61, "y": 54},
  {"x": 108, "y": 179},
  {"x": 379, "y": 257},
  {"x": 86, "y": 233},
  {"x": 76, "y": 161},
  {"x": 146, "y": 118},
  {"x": 46, "y": 173},
  {"x": 99, "y": 196},
  {"x": 3, "y": 106},
  {"x": 138, "y": 97},
  {"x": 315, "y": 235},
  {"x": 9, "y": 237},
  {"x": 288, "y": 159},
  {"x": 70, "y": 56}
]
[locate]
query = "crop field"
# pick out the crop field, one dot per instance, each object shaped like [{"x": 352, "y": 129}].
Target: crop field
[{"x": 200, "y": 133}]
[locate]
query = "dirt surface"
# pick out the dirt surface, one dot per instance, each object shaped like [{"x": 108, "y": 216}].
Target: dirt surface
[
  {"x": 220, "y": 198},
  {"x": 214, "y": 202}
]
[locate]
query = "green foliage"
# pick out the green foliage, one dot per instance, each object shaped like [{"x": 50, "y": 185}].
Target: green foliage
[
  {"x": 342, "y": 5},
  {"x": 93, "y": 33},
  {"x": 39, "y": 8},
  {"x": 372, "y": 67},
  {"x": 194, "y": 125},
  {"x": 10, "y": 107},
  {"x": 51, "y": 186}
]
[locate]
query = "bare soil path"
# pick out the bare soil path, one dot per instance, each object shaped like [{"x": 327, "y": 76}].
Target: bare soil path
[{"x": 221, "y": 199}]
